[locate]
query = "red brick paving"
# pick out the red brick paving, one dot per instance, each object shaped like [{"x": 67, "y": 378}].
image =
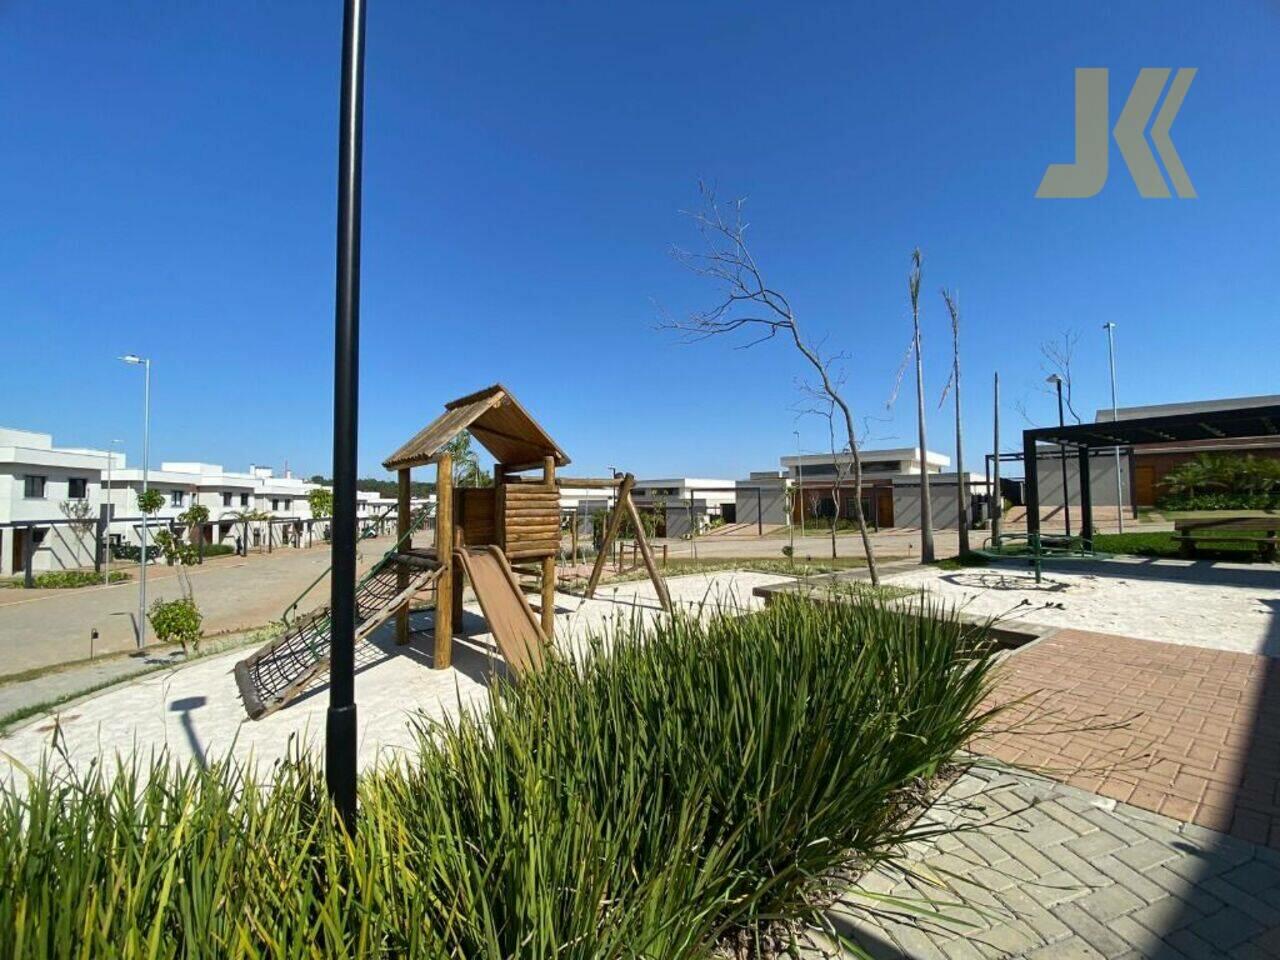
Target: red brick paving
[{"x": 1184, "y": 731}]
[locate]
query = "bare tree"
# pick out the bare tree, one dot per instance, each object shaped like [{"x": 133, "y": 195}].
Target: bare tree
[
  {"x": 750, "y": 304},
  {"x": 926, "y": 501},
  {"x": 962, "y": 485},
  {"x": 825, "y": 408},
  {"x": 1058, "y": 357},
  {"x": 82, "y": 522}
]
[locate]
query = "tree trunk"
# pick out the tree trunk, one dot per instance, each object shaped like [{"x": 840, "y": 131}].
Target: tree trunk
[
  {"x": 962, "y": 485},
  {"x": 926, "y": 502}
]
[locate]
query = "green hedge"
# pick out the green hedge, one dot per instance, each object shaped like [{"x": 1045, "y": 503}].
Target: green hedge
[
  {"x": 68, "y": 579},
  {"x": 697, "y": 781}
]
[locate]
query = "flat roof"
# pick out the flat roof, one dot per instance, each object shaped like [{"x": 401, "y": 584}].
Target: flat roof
[
  {"x": 1193, "y": 406},
  {"x": 1206, "y": 424}
]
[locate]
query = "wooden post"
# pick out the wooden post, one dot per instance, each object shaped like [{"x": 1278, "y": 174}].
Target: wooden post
[
  {"x": 611, "y": 531},
  {"x": 573, "y": 537},
  {"x": 28, "y": 557},
  {"x": 404, "y": 543},
  {"x": 548, "y": 598},
  {"x": 643, "y": 543},
  {"x": 444, "y": 553}
]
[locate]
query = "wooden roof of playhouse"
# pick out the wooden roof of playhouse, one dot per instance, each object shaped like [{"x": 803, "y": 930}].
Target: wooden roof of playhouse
[{"x": 497, "y": 421}]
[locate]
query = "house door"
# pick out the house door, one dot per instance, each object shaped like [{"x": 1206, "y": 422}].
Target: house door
[
  {"x": 19, "y": 538},
  {"x": 1144, "y": 481},
  {"x": 884, "y": 507}
]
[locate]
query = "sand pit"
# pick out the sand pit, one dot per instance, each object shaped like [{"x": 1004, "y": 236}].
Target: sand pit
[{"x": 1216, "y": 605}]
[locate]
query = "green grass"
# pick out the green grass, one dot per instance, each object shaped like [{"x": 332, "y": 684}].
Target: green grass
[
  {"x": 697, "y": 780},
  {"x": 961, "y": 561},
  {"x": 66, "y": 579},
  {"x": 1163, "y": 545}
]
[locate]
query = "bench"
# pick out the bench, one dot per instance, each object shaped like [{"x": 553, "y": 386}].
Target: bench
[{"x": 1212, "y": 530}]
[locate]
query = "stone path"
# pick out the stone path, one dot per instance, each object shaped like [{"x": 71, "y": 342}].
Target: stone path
[
  {"x": 1185, "y": 731},
  {"x": 1049, "y": 872}
]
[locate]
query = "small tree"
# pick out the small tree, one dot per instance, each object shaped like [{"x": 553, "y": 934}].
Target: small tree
[
  {"x": 177, "y": 621},
  {"x": 962, "y": 486},
  {"x": 194, "y": 518},
  {"x": 321, "y": 502},
  {"x": 926, "y": 500},
  {"x": 1058, "y": 357},
  {"x": 840, "y": 458},
  {"x": 150, "y": 501},
  {"x": 750, "y": 304},
  {"x": 178, "y": 553}
]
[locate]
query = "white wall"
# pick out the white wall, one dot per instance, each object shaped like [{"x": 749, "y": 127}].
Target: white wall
[{"x": 1102, "y": 480}]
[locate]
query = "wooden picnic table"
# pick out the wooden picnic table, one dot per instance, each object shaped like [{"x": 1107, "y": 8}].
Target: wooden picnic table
[{"x": 1189, "y": 531}]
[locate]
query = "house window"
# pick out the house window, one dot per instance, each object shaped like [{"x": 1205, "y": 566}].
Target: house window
[
  {"x": 226, "y": 498},
  {"x": 275, "y": 503},
  {"x": 77, "y": 488},
  {"x": 33, "y": 487},
  {"x": 244, "y": 499},
  {"x": 177, "y": 498},
  {"x": 288, "y": 504}
]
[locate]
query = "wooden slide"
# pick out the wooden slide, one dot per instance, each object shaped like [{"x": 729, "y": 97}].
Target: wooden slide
[{"x": 512, "y": 621}]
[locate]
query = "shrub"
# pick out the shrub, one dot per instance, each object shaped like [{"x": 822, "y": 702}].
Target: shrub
[
  {"x": 218, "y": 549},
  {"x": 648, "y": 802},
  {"x": 77, "y": 578},
  {"x": 177, "y": 621},
  {"x": 67, "y": 579},
  {"x": 1222, "y": 481},
  {"x": 150, "y": 501},
  {"x": 133, "y": 552}
]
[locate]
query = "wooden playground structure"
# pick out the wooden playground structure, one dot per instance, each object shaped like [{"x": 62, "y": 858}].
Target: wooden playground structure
[{"x": 497, "y": 538}]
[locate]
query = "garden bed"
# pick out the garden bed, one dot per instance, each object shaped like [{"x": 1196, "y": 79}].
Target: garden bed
[{"x": 692, "y": 781}]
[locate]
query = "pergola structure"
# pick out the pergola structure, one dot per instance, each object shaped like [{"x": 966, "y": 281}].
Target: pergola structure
[{"x": 1231, "y": 424}]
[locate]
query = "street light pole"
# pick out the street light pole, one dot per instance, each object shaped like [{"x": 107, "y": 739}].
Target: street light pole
[
  {"x": 1115, "y": 415},
  {"x": 145, "y": 363},
  {"x": 340, "y": 728},
  {"x": 1062, "y": 454}
]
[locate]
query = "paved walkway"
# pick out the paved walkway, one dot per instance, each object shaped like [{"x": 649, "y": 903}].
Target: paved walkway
[
  {"x": 1048, "y": 872},
  {"x": 1180, "y": 730}
]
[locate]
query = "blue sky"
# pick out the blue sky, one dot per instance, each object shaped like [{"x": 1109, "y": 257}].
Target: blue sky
[{"x": 169, "y": 188}]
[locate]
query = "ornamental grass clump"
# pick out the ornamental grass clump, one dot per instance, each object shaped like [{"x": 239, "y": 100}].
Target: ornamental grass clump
[{"x": 683, "y": 784}]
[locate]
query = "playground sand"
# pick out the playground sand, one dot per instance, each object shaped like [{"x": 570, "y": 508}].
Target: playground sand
[
  {"x": 193, "y": 712},
  {"x": 1219, "y": 606}
]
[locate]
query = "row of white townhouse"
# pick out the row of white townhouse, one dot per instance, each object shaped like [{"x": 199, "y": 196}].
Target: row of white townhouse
[{"x": 51, "y": 498}]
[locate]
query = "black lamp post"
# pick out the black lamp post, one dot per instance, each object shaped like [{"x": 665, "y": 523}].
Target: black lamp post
[
  {"x": 1062, "y": 454},
  {"x": 340, "y": 727}
]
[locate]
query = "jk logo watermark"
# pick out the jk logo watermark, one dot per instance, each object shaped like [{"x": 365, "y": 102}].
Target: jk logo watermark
[{"x": 1088, "y": 175}]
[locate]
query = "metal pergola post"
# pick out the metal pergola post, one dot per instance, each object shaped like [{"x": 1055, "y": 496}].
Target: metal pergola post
[
  {"x": 1086, "y": 496},
  {"x": 1031, "y": 479},
  {"x": 340, "y": 728}
]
